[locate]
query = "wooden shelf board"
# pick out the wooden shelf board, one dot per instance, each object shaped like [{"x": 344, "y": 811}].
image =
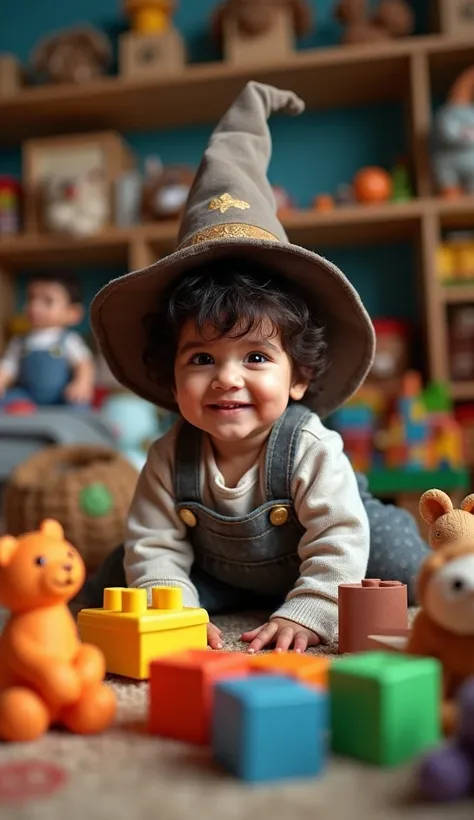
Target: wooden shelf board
[
  {"x": 458, "y": 294},
  {"x": 447, "y": 58},
  {"x": 462, "y": 391},
  {"x": 344, "y": 226},
  {"x": 324, "y": 77},
  {"x": 457, "y": 213}
]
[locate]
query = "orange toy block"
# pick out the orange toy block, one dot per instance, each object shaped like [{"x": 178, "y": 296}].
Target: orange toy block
[
  {"x": 181, "y": 691},
  {"x": 307, "y": 669}
]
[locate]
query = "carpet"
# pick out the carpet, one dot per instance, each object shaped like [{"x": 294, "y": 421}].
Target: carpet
[{"x": 125, "y": 774}]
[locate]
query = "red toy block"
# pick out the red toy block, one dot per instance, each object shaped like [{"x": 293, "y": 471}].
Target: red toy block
[
  {"x": 307, "y": 669},
  {"x": 181, "y": 691},
  {"x": 372, "y": 607}
]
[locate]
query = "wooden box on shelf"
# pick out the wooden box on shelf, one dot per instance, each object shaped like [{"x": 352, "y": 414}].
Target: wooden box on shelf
[
  {"x": 456, "y": 17},
  {"x": 65, "y": 159},
  {"x": 276, "y": 43},
  {"x": 11, "y": 75},
  {"x": 151, "y": 55}
]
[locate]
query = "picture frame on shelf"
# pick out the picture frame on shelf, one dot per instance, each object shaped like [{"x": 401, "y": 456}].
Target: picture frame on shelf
[{"x": 55, "y": 167}]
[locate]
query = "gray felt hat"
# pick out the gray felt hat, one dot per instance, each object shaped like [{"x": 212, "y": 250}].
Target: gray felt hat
[{"x": 231, "y": 211}]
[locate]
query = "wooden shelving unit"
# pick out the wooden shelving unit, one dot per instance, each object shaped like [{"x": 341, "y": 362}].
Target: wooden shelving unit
[{"x": 410, "y": 71}]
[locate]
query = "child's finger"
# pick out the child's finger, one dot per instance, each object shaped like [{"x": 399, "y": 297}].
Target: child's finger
[
  {"x": 266, "y": 635},
  {"x": 214, "y": 637},
  {"x": 249, "y": 636},
  {"x": 285, "y": 639},
  {"x": 301, "y": 642}
]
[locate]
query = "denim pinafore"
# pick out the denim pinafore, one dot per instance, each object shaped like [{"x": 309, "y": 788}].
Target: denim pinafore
[
  {"x": 44, "y": 374},
  {"x": 257, "y": 552}
]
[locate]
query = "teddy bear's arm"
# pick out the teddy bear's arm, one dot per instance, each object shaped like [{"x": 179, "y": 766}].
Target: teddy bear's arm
[
  {"x": 57, "y": 681},
  {"x": 421, "y": 640}
]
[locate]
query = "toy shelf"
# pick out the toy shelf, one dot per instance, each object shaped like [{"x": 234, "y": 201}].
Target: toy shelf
[
  {"x": 330, "y": 77},
  {"x": 462, "y": 391}
]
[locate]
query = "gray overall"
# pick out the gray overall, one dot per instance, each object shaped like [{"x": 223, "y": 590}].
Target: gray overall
[{"x": 251, "y": 561}]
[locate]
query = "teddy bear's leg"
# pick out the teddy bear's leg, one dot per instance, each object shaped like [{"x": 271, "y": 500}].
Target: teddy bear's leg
[
  {"x": 23, "y": 715},
  {"x": 90, "y": 664},
  {"x": 93, "y": 712}
]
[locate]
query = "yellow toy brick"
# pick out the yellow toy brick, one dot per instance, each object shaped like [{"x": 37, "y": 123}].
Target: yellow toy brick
[{"x": 131, "y": 634}]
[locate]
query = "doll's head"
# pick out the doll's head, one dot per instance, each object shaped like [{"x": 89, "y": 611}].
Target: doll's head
[
  {"x": 53, "y": 299},
  {"x": 235, "y": 342}
]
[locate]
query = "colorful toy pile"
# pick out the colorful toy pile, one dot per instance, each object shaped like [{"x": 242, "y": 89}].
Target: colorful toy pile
[{"x": 418, "y": 433}]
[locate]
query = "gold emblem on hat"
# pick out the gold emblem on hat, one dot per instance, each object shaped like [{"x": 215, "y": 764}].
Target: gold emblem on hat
[{"x": 225, "y": 201}]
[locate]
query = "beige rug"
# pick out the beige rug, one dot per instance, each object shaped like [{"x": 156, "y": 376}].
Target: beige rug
[{"x": 127, "y": 775}]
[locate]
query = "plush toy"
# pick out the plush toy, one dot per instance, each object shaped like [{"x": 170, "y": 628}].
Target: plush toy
[
  {"x": 165, "y": 190},
  {"x": 453, "y": 139},
  {"x": 444, "y": 626},
  {"x": 75, "y": 55},
  {"x": 254, "y": 17},
  {"x": 79, "y": 206},
  {"x": 391, "y": 18},
  {"x": 47, "y": 676},
  {"x": 136, "y": 424}
]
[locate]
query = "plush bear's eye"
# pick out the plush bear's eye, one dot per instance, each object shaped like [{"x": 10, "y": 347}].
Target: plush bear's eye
[
  {"x": 40, "y": 560},
  {"x": 457, "y": 585},
  {"x": 438, "y": 534}
]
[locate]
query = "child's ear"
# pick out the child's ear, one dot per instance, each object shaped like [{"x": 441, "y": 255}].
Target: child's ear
[
  {"x": 75, "y": 313},
  {"x": 298, "y": 389}
]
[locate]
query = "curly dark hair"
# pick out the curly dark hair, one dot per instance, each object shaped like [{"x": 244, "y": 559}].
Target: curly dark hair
[{"x": 235, "y": 298}]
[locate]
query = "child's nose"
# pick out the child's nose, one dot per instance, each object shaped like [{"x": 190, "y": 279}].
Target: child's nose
[{"x": 228, "y": 375}]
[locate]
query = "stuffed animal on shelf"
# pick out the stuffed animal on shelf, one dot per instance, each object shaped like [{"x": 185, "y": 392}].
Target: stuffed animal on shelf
[
  {"x": 76, "y": 55},
  {"x": 254, "y": 17},
  {"x": 79, "y": 205},
  {"x": 444, "y": 626},
  {"x": 47, "y": 676},
  {"x": 391, "y": 18},
  {"x": 150, "y": 16},
  {"x": 165, "y": 190},
  {"x": 453, "y": 139}
]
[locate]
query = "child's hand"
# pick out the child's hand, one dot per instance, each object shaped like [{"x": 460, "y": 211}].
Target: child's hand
[
  {"x": 283, "y": 633},
  {"x": 214, "y": 637},
  {"x": 79, "y": 391}
]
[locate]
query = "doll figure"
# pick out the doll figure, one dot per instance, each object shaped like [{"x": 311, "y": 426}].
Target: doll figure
[{"x": 51, "y": 364}]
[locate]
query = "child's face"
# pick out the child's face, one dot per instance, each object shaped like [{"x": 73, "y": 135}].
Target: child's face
[
  {"x": 233, "y": 388},
  {"x": 48, "y": 305}
]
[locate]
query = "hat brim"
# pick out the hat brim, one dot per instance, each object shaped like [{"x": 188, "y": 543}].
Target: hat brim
[{"x": 118, "y": 310}]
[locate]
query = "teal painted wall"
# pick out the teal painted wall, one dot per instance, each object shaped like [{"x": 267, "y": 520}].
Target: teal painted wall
[{"x": 313, "y": 153}]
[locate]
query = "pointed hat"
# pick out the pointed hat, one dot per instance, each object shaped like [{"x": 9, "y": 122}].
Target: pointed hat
[{"x": 231, "y": 212}]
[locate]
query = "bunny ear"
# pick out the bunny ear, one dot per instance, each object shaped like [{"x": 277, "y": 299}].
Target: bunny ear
[
  {"x": 434, "y": 504},
  {"x": 468, "y": 504}
]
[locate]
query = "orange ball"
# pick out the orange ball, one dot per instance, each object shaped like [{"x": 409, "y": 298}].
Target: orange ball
[{"x": 372, "y": 185}]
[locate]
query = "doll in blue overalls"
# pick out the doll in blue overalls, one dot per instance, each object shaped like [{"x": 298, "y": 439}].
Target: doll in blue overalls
[
  {"x": 249, "y": 500},
  {"x": 51, "y": 365}
]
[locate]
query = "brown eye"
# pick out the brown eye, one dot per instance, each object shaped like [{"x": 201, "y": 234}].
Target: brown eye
[
  {"x": 40, "y": 561},
  {"x": 457, "y": 585},
  {"x": 438, "y": 534}
]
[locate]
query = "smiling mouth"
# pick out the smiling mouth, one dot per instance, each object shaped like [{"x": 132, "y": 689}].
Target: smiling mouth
[
  {"x": 66, "y": 583},
  {"x": 226, "y": 406}
]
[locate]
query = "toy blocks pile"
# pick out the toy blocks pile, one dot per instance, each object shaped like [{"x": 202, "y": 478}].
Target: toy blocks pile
[{"x": 272, "y": 716}]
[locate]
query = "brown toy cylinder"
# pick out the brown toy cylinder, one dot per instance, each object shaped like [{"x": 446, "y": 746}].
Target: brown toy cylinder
[{"x": 371, "y": 607}]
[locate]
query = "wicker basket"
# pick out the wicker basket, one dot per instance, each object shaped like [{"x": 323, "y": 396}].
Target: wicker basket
[{"x": 88, "y": 489}]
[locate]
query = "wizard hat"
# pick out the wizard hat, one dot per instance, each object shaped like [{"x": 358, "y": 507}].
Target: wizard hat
[{"x": 231, "y": 212}]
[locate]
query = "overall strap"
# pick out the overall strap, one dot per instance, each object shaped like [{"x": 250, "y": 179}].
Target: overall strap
[
  {"x": 281, "y": 451},
  {"x": 187, "y": 464}
]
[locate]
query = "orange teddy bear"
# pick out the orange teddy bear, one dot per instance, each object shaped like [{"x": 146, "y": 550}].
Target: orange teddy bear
[
  {"x": 444, "y": 626},
  {"x": 47, "y": 676}
]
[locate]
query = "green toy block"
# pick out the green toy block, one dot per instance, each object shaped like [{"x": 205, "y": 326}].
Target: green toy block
[{"x": 385, "y": 707}]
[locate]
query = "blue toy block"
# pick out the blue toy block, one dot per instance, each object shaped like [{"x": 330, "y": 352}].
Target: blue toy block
[
  {"x": 385, "y": 707},
  {"x": 269, "y": 728}
]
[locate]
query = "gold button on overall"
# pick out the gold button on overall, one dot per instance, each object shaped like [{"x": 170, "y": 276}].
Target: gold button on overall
[
  {"x": 279, "y": 516},
  {"x": 188, "y": 517}
]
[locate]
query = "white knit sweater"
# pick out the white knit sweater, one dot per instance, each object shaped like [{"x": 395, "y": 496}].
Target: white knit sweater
[{"x": 334, "y": 548}]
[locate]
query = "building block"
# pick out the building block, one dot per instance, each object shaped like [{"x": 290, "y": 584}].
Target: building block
[
  {"x": 269, "y": 728},
  {"x": 131, "y": 634},
  {"x": 385, "y": 707},
  {"x": 369, "y": 608},
  {"x": 309, "y": 669},
  {"x": 182, "y": 691}
]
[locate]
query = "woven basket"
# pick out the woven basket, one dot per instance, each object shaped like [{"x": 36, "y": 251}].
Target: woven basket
[{"x": 88, "y": 489}]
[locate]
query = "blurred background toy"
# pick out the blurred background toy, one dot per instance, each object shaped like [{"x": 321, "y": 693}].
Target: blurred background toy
[
  {"x": 372, "y": 185},
  {"x": 75, "y": 55},
  {"x": 461, "y": 342},
  {"x": 153, "y": 45},
  {"x": 87, "y": 488},
  {"x": 11, "y": 75},
  {"x": 136, "y": 424},
  {"x": 390, "y": 18},
  {"x": 10, "y": 202},
  {"x": 79, "y": 205},
  {"x": 165, "y": 190},
  {"x": 455, "y": 257},
  {"x": 284, "y": 201},
  {"x": 453, "y": 139},
  {"x": 254, "y": 31}
]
